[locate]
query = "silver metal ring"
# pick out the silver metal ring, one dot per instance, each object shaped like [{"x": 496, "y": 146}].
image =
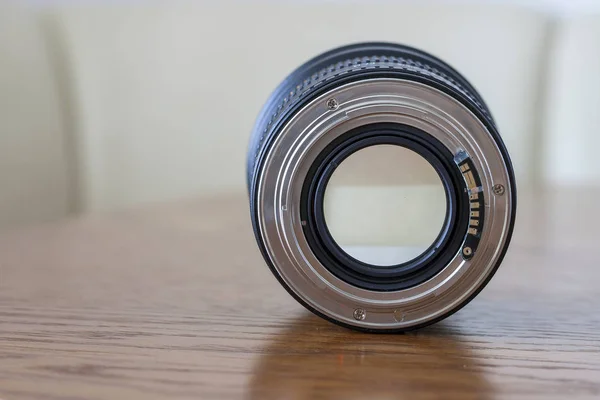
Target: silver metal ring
[{"x": 317, "y": 124}]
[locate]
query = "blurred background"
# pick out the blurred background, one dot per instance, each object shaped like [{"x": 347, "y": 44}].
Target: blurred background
[{"x": 106, "y": 105}]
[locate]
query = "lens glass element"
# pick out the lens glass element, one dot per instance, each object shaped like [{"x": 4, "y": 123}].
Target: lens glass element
[{"x": 385, "y": 205}]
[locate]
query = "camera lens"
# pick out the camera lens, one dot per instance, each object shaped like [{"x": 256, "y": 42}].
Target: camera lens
[{"x": 381, "y": 194}]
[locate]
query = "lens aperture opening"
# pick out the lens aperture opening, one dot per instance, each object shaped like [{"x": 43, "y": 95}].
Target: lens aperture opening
[{"x": 385, "y": 205}]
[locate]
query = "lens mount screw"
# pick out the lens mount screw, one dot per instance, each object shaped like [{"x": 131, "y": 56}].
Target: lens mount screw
[
  {"x": 332, "y": 104},
  {"x": 499, "y": 189},
  {"x": 360, "y": 314}
]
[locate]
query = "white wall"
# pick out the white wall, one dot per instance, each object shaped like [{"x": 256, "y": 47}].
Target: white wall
[
  {"x": 572, "y": 114},
  {"x": 166, "y": 95},
  {"x": 109, "y": 104},
  {"x": 34, "y": 183}
]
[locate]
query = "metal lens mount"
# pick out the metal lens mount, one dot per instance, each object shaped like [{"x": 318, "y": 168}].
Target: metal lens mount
[{"x": 351, "y": 98}]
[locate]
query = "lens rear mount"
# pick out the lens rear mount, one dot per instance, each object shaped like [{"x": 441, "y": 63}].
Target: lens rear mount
[{"x": 360, "y": 96}]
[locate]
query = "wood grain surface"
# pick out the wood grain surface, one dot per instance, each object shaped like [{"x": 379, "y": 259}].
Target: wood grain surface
[{"x": 174, "y": 301}]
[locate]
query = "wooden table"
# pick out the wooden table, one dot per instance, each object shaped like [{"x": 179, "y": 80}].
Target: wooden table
[{"x": 175, "y": 302}]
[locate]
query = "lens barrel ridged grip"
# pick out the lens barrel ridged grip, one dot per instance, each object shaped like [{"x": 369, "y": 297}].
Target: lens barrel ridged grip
[{"x": 352, "y": 63}]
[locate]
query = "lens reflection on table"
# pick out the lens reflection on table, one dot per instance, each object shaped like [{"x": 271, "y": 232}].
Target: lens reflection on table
[{"x": 314, "y": 359}]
